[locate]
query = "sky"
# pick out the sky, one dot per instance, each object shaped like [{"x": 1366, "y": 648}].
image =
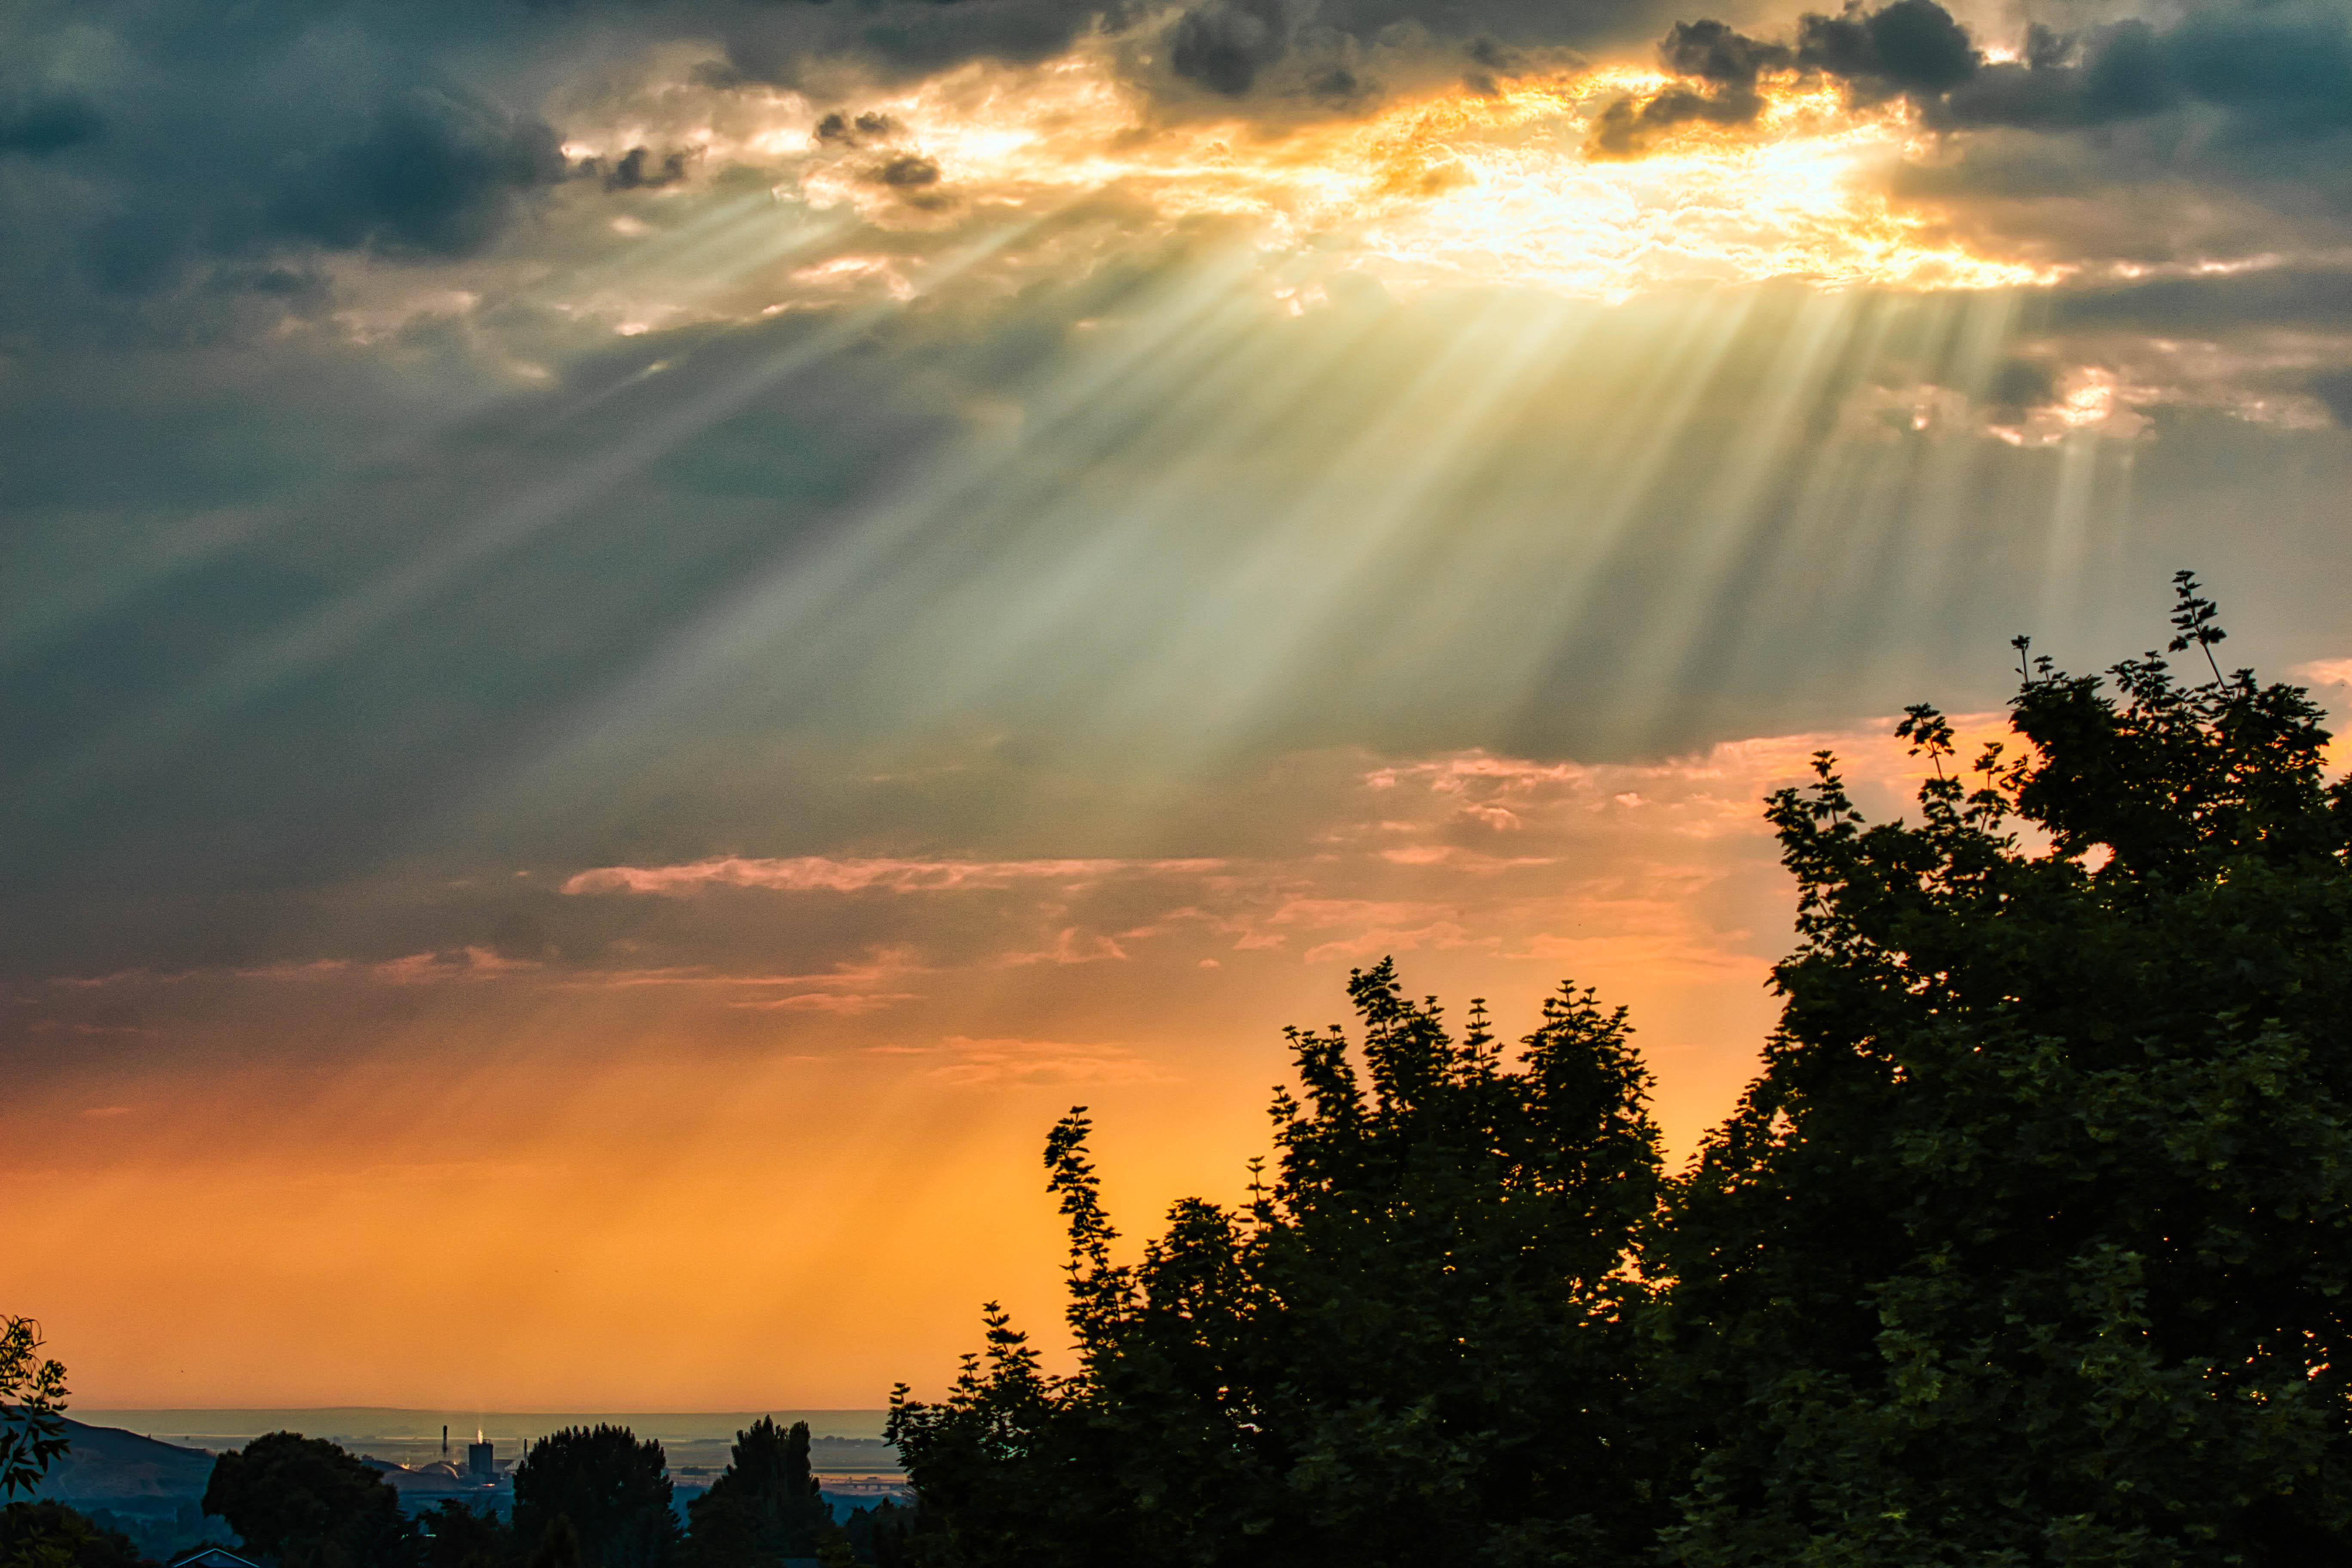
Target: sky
[{"x": 636, "y": 638}]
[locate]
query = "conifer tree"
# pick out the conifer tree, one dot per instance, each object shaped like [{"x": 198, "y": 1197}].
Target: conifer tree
[
  {"x": 765, "y": 1504},
  {"x": 612, "y": 1488}
]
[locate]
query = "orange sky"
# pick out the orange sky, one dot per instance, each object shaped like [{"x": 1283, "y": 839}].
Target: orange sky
[
  {"x": 591, "y": 766},
  {"x": 509, "y": 1186}
]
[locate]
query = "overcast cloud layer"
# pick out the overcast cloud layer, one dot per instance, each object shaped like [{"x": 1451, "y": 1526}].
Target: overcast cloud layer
[{"x": 429, "y": 428}]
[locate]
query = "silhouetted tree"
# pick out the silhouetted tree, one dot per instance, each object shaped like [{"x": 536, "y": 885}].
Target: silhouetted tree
[
  {"x": 1414, "y": 1346},
  {"x": 31, "y": 1407},
  {"x": 51, "y": 1535},
  {"x": 2034, "y": 1242},
  {"x": 881, "y": 1535},
  {"x": 765, "y": 1504},
  {"x": 303, "y": 1502},
  {"x": 2031, "y": 1247},
  {"x": 615, "y": 1489},
  {"x": 457, "y": 1536},
  {"x": 558, "y": 1546}
]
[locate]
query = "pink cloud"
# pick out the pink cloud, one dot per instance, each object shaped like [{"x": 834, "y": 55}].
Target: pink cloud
[
  {"x": 459, "y": 963},
  {"x": 1382, "y": 939},
  {"x": 2327, "y": 671},
  {"x": 1070, "y": 947},
  {"x": 982, "y": 1062},
  {"x": 818, "y": 873},
  {"x": 842, "y": 1003}
]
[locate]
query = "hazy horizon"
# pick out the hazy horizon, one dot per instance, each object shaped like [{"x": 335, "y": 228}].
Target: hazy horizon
[{"x": 422, "y": 1424}]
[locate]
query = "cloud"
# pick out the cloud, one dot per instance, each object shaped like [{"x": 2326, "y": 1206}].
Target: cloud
[
  {"x": 2333, "y": 390},
  {"x": 2277, "y": 73},
  {"x": 2216, "y": 132},
  {"x": 634, "y": 170},
  {"x": 38, "y": 127},
  {"x": 1223, "y": 45},
  {"x": 1911, "y": 46},
  {"x": 816, "y": 873},
  {"x": 846, "y": 1004},
  {"x": 1071, "y": 946},
  {"x": 437, "y": 173},
  {"x": 1004, "y": 1062},
  {"x": 1908, "y": 48},
  {"x": 2327, "y": 671}
]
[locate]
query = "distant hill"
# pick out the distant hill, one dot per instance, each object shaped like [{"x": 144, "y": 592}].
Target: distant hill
[{"x": 108, "y": 1466}]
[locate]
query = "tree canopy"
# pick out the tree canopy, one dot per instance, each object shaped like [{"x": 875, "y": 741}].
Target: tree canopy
[
  {"x": 31, "y": 1407},
  {"x": 303, "y": 1502},
  {"x": 454, "y": 1535},
  {"x": 765, "y": 1505},
  {"x": 2033, "y": 1242},
  {"x": 612, "y": 1488},
  {"x": 1413, "y": 1344},
  {"x": 2030, "y": 1244},
  {"x": 48, "y": 1534}
]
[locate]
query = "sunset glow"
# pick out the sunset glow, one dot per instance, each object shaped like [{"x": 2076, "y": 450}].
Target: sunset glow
[
  {"x": 1461, "y": 189},
  {"x": 642, "y": 639}
]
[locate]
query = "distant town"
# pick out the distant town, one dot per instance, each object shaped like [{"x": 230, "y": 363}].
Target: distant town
[{"x": 144, "y": 1472}]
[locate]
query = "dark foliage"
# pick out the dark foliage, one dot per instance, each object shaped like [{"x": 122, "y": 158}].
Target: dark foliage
[
  {"x": 558, "y": 1546},
  {"x": 2030, "y": 1246},
  {"x": 2033, "y": 1243},
  {"x": 613, "y": 1488},
  {"x": 51, "y": 1535},
  {"x": 32, "y": 1405},
  {"x": 1412, "y": 1346},
  {"x": 302, "y": 1503},
  {"x": 764, "y": 1505},
  {"x": 882, "y": 1535},
  {"x": 456, "y": 1536}
]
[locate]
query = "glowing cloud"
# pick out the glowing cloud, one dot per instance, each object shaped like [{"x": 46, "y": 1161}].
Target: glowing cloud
[
  {"x": 816, "y": 873},
  {"x": 1510, "y": 189}
]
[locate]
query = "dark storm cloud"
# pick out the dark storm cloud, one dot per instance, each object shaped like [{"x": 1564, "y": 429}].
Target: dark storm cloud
[
  {"x": 435, "y": 173},
  {"x": 2313, "y": 299},
  {"x": 1224, "y": 44},
  {"x": 179, "y": 170},
  {"x": 1727, "y": 60},
  {"x": 36, "y": 127},
  {"x": 855, "y": 131},
  {"x": 1908, "y": 49},
  {"x": 1307, "y": 53},
  {"x": 2278, "y": 71},
  {"x": 2333, "y": 390},
  {"x": 635, "y": 171},
  {"x": 1910, "y": 46},
  {"x": 796, "y": 45},
  {"x": 907, "y": 171},
  {"x": 1719, "y": 54}
]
